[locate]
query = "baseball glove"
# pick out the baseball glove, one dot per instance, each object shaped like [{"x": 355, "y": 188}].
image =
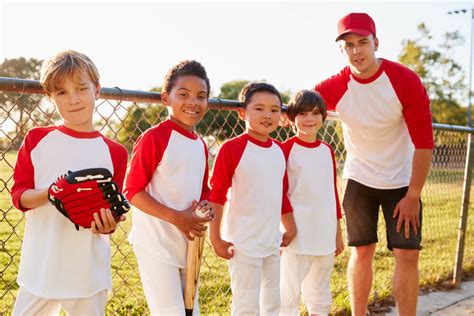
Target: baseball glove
[{"x": 80, "y": 194}]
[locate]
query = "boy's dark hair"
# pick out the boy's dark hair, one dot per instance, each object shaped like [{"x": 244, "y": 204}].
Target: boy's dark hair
[
  {"x": 306, "y": 101},
  {"x": 185, "y": 68},
  {"x": 252, "y": 87}
]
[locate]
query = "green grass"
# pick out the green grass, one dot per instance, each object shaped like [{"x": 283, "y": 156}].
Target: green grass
[{"x": 442, "y": 202}]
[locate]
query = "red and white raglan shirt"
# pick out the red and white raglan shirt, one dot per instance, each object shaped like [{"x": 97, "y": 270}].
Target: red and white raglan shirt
[
  {"x": 57, "y": 261},
  {"x": 170, "y": 164},
  {"x": 313, "y": 195},
  {"x": 384, "y": 118},
  {"x": 256, "y": 173}
]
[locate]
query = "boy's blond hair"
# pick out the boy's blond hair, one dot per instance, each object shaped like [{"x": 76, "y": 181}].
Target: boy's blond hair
[{"x": 66, "y": 64}]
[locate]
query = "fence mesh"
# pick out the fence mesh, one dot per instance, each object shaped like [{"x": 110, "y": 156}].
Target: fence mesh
[{"x": 125, "y": 121}]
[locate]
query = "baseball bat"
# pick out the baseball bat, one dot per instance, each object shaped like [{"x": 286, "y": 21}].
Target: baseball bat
[{"x": 193, "y": 265}]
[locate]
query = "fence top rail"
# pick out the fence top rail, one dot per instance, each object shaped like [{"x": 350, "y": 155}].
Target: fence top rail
[
  {"x": 34, "y": 87},
  {"x": 8, "y": 84}
]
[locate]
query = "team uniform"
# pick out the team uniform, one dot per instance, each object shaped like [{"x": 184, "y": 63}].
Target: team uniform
[
  {"x": 306, "y": 264},
  {"x": 59, "y": 265},
  {"x": 255, "y": 171},
  {"x": 384, "y": 118},
  {"x": 170, "y": 164}
]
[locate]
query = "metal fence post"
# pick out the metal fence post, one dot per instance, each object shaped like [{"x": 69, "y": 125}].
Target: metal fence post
[{"x": 464, "y": 212}]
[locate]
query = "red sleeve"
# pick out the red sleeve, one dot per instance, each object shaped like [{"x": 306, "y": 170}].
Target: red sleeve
[
  {"x": 415, "y": 102},
  {"x": 333, "y": 88},
  {"x": 334, "y": 168},
  {"x": 24, "y": 173},
  {"x": 286, "y": 147},
  {"x": 285, "y": 201},
  {"x": 225, "y": 164},
  {"x": 206, "y": 191},
  {"x": 119, "y": 156},
  {"x": 146, "y": 155}
]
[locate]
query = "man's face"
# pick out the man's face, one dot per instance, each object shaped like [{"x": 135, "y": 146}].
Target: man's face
[{"x": 360, "y": 51}]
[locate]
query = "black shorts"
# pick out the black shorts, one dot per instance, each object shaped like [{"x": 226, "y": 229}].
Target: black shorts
[{"x": 361, "y": 207}]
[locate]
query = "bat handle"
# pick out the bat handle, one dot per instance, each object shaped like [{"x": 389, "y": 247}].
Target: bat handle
[{"x": 188, "y": 312}]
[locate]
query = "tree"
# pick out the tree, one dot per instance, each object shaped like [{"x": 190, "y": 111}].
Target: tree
[
  {"x": 224, "y": 124},
  {"x": 23, "y": 110},
  {"x": 138, "y": 119},
  {"x": 442, "y": 76},
  {"x": 221, "y": 124}
]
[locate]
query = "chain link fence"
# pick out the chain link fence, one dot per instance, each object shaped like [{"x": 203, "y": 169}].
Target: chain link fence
[{"x": 123, "y": 115}]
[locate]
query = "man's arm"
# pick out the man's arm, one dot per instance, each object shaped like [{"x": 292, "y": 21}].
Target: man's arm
[{"x": 408, "y": 208}]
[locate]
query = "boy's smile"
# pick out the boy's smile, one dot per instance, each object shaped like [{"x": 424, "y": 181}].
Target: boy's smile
[{"x": 187, "y": 101}]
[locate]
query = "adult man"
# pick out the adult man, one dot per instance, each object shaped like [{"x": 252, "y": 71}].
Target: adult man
[{"x": 388, "y": 137}]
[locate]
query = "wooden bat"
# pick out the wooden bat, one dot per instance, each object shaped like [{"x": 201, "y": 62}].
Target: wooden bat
[{"x": 193, "y": 265}]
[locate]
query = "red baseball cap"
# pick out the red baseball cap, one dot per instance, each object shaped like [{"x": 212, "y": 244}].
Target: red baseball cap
[{"x": 360, "y": 23}]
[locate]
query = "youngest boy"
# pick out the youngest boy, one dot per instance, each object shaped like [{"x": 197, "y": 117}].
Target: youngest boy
[
  {"x": 306, "y": 264},
  {"x": 253, "y": 166},
  {"x": 61, "y": 266}
]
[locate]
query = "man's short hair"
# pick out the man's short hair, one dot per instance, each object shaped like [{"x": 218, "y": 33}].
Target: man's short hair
[
  {"x": 306, "y": 101},
  {"x": 66, "y": 64},
  {"x": 253, "y": 87}
]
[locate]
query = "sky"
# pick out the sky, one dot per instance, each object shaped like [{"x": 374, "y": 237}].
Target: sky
[{"x": 289, "y": 44}]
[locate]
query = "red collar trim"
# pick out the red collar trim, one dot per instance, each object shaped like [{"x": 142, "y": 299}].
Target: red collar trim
[
  {"x": 374, "y": 76},
  {"x": 77, "y": 134},
  {"x": 180, "y": 129},
  {"x": 265, "y": 144},
  {"x": 306, "y": 144}
]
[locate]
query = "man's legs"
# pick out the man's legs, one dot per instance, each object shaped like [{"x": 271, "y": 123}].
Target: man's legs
[
  {"x": 405, "y": 280},
  {"x": 361, "y": 207},
  {"x": 359, "y": 277},
  {"x": 406, "y": 253}
]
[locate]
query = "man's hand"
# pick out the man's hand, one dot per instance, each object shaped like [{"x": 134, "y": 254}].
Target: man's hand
[
  {"x": 222, "y": 248},
  {"x": 105, "y": 223},
  {"x": 408, "y": 212}
]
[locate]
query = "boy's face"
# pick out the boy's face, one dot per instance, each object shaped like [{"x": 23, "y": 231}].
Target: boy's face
[
  {"x": 360, "y": 54},
  {"x": 261, "y": 115},
  {"x": 187, "y": 101},
  {"x": 308, "y": 123},
  {"x": 75, "y": 101}
]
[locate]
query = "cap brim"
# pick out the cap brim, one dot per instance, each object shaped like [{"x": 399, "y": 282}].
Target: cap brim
[{"x": 357, "y": 31}]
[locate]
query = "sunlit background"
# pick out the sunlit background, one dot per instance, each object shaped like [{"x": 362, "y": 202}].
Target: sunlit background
[{"x": 290, "y": 44}]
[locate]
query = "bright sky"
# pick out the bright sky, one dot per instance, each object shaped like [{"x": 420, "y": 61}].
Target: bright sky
[{"x": 290, "y": 44}]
